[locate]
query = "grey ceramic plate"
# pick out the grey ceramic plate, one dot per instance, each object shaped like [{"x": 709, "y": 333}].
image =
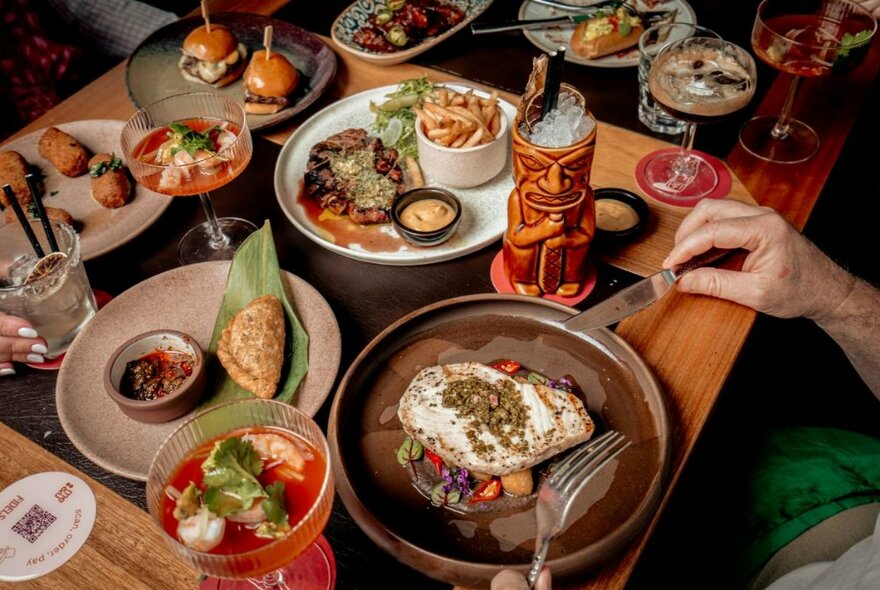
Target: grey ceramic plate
[
  {"x": 152, "y": 71},
  {"x": 100, "y": 229},
  {"x": 358, "y": 13},
  {"x": 468, "y": 549},
  {"x": 185, "y": 299},
  {"x": 552, "y": 37}
]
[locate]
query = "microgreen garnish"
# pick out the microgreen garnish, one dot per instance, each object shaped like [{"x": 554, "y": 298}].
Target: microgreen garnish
[
  {"x": 191, "y": 140},
  {"x": 100, "y": 168}
]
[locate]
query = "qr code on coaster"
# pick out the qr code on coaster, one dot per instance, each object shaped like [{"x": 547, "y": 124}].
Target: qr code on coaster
[{"x": 34, "y": 523}]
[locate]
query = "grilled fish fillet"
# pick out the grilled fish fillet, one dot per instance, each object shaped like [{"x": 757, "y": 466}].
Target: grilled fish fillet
[{"x": 537, "y": 422}]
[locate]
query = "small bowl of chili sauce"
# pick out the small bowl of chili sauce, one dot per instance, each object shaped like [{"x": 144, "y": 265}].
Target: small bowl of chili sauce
[{"x": 156, "y": 376}]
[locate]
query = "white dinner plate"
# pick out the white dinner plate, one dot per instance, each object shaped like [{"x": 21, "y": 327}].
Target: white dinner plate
[
  {"x": 552, "y": 37},
  {"x": 484, "y": 208},
  {"x": 185, "y": 299},
  {"x": 100, "y": 229}
]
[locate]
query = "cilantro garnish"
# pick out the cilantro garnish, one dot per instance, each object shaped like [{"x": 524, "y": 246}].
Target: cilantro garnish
[
  {"x": 849, "y": 42},
  {"x": 232, "y": 468},
  {"x": 101, "y": 167},
  {"x": 191, "y": 140},
  {"x": 274, "y": 506}
]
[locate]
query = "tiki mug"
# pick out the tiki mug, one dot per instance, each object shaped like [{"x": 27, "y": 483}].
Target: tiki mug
[{"x": 551, "y": 215}]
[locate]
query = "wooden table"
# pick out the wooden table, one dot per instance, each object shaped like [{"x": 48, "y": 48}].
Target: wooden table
[{"x": 690, "y": 342}]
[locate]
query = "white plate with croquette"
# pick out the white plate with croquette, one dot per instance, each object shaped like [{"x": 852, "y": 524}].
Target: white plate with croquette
[{"x": 100, "y": 229}]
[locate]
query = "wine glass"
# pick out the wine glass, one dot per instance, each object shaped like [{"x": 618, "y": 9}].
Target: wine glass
[
  {"x": 696, "y": 79},
  {"x": 190, "y": 144},
  {"x": 301, "y": 558},
  {"x": 804, "y": 38}
]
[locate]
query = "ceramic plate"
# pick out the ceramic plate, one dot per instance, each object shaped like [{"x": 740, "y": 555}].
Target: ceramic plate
[
  {"x": 152, "y": 71},
  {"x": 484, "y": 215},
  {"x": 100, "y": 229},
  {"x": 358, "y": 14},
  {"x": 184, "y": 299},
  {"x": 552, "y": 37},
  {"x": 468, "y": 549}
]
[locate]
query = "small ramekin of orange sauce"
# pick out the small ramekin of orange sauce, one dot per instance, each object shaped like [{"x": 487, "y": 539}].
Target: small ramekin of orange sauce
[
  {"x": 619, "y": 213},
  {"x": 426, "y": 216}
]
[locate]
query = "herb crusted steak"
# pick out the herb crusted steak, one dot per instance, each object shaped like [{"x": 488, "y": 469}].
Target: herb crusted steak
[{"x": 352, "y": 174}]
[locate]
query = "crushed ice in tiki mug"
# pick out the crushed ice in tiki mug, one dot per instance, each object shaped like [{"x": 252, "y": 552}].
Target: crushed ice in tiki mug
[{"x": 551, "y": 216}]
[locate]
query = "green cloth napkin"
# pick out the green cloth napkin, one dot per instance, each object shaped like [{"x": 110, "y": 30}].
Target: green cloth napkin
[{"x": 802, "y": 477}]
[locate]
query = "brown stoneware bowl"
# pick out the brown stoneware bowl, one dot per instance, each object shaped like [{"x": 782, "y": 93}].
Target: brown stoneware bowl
[
  {"x": 170, "y": 406},
  {"x": 469, "y": 549}
]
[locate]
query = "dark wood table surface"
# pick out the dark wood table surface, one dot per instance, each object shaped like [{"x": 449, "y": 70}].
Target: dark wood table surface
[{"x": 366, "y": 297}]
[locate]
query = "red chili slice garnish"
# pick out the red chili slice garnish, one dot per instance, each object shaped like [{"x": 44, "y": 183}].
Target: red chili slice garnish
[
  {"x": 510, "y": 367},
  {"x": 486, "y": 491},
  {"x": 435, "y": 459}
]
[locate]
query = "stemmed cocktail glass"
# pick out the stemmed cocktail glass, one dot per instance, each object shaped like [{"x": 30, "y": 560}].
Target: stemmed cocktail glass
[
  {"x": 190, "y": 144},
  {"x": 271, "y": 565},
  {"x": 804, "y": 38},
  {"x": 697, "y": 79}
]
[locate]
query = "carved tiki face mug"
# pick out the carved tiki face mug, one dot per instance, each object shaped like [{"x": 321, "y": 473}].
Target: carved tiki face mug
[{"x": 551, "y": 214}]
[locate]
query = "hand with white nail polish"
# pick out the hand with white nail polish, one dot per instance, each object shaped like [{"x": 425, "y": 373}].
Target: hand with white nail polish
[
  {"x": 19, "y": 342},
  {"x": 784, "y": 275}
]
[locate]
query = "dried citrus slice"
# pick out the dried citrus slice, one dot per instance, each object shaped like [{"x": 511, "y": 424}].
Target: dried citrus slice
[{"x": 45, "y": 266}]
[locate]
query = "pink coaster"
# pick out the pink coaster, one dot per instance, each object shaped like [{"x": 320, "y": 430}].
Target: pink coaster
[
  {"x": 725, "y": 181},
  {"x": 502, "y": 283},
  {"x": 101, "y": 299},
  {"x": 314, "y": 569}
]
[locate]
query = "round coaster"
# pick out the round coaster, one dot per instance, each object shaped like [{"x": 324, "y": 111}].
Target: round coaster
[
  {"x": 722, "y": 189},
  {"x": 102, "y": 298},
  {"x": 314, "y": 569},
  {"x": 44, "y": 519},
  {"x": 502, "y": 283}
]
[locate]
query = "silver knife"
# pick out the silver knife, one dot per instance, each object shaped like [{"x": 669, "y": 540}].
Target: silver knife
[
  {"x": 518, "y": 25},
  {"x": 639, "y": 296}
]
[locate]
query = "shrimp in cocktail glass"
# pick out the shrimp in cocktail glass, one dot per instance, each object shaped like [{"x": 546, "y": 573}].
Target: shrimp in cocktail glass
[
  {"x": 191, "y": 144},
  {"x": 243, "y": 491}
]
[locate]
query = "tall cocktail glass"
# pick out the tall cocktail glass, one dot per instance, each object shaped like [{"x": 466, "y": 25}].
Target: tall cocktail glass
[
  {"x": 59, "y": 303},
  {"x": 698, "y": 80},
  {"x": 272, "y": 565},
  {"x": 194, "y": 166},
  {"x": 804, "y": 38}
]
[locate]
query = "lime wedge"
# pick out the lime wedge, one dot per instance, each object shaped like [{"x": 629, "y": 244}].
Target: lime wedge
[
  {"x": 45, "y": 266},
  {"x": 391, "y": 134}
]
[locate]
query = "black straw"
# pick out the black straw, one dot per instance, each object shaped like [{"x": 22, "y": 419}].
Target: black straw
[
  {"x": 22, "y": 218},
  {"x": 552, "y": 81},
  {"x": 41, "y": 212}
]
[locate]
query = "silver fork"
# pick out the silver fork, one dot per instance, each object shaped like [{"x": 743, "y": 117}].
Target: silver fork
[{"x": 556, "y": 495}]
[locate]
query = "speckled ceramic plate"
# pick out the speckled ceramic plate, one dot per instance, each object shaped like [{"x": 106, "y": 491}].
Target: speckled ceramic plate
[
  {"x": 552, "y": 37},
  {"x": 358, "y": 13},
  {"x": 184, "y": 299},
  {"x": 100, "y": 229},
  {"x": 484, "y": 208},
  {"x": 468, "y": 549},
  {"x": 152, "y": 71}
]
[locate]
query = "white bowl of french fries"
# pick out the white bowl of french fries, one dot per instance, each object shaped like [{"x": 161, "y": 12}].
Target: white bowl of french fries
[{"x": 463, "y": 136}]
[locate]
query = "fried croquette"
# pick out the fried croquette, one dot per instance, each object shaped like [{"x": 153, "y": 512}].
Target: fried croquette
[
  {"x": 64, "y": 152},
  {"x": 54, "y": 213},
  {"x": 110, "y": 185},
  {"x": 13, "y": 168}
]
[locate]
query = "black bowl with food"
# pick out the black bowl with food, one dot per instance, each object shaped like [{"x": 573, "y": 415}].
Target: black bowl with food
[
  {"x": 156, "y": 376},
  {"x": 620, "y": 214},
  {"x": 426, "y": 216}
]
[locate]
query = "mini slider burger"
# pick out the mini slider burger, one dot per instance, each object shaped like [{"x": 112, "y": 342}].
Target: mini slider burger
[
  {"x": 268, "y": 82},
  {"x": 214, "y": 57}
]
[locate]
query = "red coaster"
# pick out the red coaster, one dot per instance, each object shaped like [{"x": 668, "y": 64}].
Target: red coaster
[
  {"x": 314, "y": 569},
  {"x": 725, "y": 181},
  {"x": 101, "y": 299},
  {"x": 502, "y": 283}
]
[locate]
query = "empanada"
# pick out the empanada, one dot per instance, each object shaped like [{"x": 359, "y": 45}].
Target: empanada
[{"x": 251, "y": 347}]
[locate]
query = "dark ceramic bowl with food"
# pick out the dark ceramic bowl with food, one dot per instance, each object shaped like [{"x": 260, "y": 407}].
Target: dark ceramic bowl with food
[
  {"x": 156, "y": 376},
  {"x": 426, "y": 216},
  {"x": 620, "y": 214}
]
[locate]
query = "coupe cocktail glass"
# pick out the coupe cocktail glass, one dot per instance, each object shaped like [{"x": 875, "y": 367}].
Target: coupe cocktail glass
[
  {"x": 193, "y": 171},
  {"x": 698, "y": 80},
  {"x": 804, "y": 38},
  {"x": 272, "y": 565}
]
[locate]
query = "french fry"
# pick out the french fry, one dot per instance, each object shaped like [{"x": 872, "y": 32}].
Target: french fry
[
  {"x": 438, "y": 133},
  {"x": 457, "y": 120},
  {"x": 495, "y": 123},
  {"x": 475, "y": 138}
]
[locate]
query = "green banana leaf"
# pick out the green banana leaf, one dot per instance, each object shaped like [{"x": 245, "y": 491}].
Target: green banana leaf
[{"x": 255, "y": 272}]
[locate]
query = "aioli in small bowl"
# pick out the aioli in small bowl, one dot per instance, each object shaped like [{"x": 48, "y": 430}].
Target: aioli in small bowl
[{"x": 426, "y": 216}]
